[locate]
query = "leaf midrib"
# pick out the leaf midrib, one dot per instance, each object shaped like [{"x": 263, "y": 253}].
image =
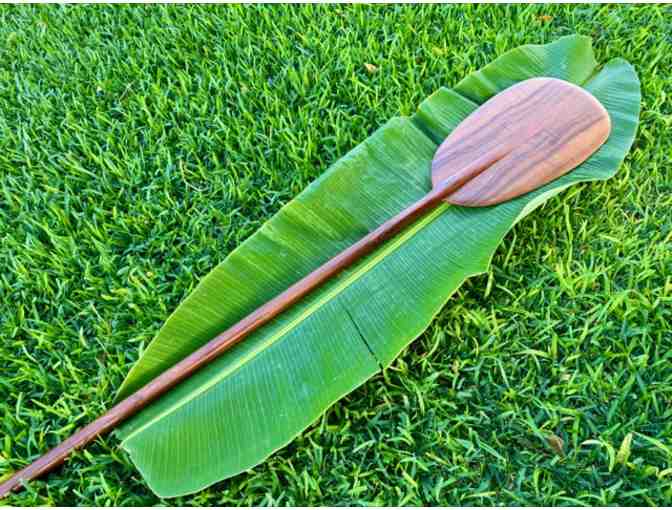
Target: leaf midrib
[
  {"x": 373, "y": 261},
  {"x": 332, "y": 293}
]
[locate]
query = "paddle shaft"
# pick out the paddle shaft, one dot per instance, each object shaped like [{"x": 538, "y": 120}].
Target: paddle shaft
[{"x": 224, "y": 341}]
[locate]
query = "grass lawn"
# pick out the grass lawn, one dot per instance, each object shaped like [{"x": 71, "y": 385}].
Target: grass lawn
[{"x": 138, "y": 146}]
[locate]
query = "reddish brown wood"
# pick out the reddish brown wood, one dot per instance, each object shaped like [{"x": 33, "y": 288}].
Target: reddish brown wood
[
  {"x": 531, "y": 133},
  {"x": 467, "y": 165}
]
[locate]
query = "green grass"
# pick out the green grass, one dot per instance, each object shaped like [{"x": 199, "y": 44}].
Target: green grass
[{"x": 138, "y": 146}]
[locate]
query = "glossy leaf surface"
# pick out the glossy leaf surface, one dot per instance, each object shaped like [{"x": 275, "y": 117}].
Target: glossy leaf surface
[{"x": 254, "y": 399}]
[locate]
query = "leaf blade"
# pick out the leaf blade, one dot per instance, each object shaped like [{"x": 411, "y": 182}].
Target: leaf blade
[{"x": 340, "y": 336}]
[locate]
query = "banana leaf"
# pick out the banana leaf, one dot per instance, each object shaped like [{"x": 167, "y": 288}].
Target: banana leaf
[{"x": 256, "y": 398}]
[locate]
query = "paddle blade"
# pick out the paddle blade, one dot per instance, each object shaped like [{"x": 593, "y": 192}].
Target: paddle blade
[{"x": 524, "y": 137}]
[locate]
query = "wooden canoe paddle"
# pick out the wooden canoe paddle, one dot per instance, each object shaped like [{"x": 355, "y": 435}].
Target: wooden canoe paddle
[{"x": 519, "y": 140}]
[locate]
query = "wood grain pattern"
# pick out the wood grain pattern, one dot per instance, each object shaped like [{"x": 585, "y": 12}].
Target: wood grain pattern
[
  {"x": 528, "y": 135},
  {"x": 522, "y": 138}
]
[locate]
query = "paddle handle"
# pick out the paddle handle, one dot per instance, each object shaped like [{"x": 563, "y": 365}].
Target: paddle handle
[{"x": 224, "y": 341}]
